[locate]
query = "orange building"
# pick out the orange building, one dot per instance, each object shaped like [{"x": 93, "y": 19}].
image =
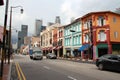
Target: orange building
[
  {"x": 60, "y": 41},
  {"x": 101, "y": 34},
  {"x": 55, "y": 45}
]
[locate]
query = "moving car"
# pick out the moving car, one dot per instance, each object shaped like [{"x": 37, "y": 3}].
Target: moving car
[
  {"x": 51, "y": 56},
  {"x": 109, "y": 61},
  {"x": 36, "y": 53}
]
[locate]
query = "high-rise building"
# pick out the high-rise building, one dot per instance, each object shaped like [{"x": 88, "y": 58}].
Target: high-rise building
[
  {"x": 57, "y": 20},
  {"x": 22, "y": 34},
  {"x": 24, "y": 30},
  {"x": 38, "y": 27}
]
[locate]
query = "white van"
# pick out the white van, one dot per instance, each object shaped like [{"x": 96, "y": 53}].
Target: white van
[{"x": 36, "y": 53}]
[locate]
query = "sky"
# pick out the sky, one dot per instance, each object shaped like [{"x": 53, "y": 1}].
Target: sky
[{"x": 47, "y": 10}]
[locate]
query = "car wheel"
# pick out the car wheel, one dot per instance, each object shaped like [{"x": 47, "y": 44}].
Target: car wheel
[
  {"x": 31, "y": 57},
  {"x": 100, "y": 66}
]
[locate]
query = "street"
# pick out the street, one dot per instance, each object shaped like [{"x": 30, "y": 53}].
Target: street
[{"x": 55, "y": 69}]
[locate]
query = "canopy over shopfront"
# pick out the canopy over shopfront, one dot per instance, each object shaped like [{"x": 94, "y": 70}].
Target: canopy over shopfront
[{"x": 84, "y": 47}]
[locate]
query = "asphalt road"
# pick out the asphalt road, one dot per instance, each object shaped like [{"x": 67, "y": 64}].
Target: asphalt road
[{"x": 55, "y": 69}]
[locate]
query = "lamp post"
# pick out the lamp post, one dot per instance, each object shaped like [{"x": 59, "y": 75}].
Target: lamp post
[
  {"x": 9, "y": 51},
  {"x": 72, "y": 41}
]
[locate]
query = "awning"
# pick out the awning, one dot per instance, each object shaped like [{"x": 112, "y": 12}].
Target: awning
[
  {"x": 55, "y": 48},
  {"x": 59, "y": 47},
  {"x": 50, "y": 48},
  {"x": 84, "y": 47}
]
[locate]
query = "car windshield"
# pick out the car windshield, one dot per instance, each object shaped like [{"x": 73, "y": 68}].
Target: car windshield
[
  {"x": 38, "y": 52},
  {"x": 51, "y": 54}
]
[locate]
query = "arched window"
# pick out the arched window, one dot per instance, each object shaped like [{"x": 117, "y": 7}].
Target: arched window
[
  {"x": 101, "y": 21},
  {"x": 86, "y": 38}
]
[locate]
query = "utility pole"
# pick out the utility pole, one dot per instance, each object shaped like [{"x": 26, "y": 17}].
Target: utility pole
[{"x": 9, "y": 51}]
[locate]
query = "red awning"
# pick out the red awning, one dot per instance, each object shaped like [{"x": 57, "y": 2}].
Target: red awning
[
  {"x": 55, "y": 47},
  {"x": 59, "y": 47}
]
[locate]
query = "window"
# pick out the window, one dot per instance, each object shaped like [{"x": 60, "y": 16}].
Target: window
[
  {"x": 116, "y": 34},
  {"x": 85, "y": 25},
  {"x": 102, "y": 35},
  {"x": 86, "y": 38},
  {"x": 114, "y": 19},
  {"x": 101, "y": 21},
  {"x": 80, "y": 40},
  {"x": 113, "y": 58},
  {"x": 77, "y": 27}
]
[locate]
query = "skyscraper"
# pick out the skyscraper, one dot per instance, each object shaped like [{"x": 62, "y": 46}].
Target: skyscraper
[
  {"x": 38, "y": 27},
  {"x": 57, "y": 20},
  {"x": 21, "y": 34}
]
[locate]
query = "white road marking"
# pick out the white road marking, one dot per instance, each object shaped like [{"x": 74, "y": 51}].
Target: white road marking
[
  {"x": 46, "y": 67},
  {"x": 71, "y": 78}
]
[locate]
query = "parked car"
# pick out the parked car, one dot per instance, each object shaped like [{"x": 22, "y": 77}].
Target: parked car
[
  {"x": 36, "y": 53},
  {"x": 51, "y": 56},
  {"x": 109, "y": 61}
]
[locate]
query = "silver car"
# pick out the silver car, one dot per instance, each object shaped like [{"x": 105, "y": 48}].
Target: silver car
[
  {"x": 37, "y": 55},
  {"x": 51, "y": 56}
]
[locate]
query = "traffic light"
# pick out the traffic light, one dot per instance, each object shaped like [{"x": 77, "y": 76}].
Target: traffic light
[{"x": 1, "y": 2}]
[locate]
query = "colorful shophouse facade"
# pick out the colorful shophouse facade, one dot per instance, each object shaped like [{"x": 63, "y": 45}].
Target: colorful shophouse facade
[
  {"x": 60, "y": 41},
  {"x": 72, "y": 38},
  {"x": 49, "y": 39},
  {"x": 100, "y": 30},
  {"x": 46, "y": 40}
]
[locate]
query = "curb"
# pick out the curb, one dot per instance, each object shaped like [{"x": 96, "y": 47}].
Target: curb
[
  {"x": 9, "y": 73},
  {"x": 78, "y": 60}
]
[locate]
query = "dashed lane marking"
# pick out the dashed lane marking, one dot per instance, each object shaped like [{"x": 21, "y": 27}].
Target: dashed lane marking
[
  {"x": 72, "y": 78},
  {"x": 46, "y": 67}
]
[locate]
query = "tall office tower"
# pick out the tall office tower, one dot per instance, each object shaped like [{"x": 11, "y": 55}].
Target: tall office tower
[
  {"x": 24, "y": 30},
  {"x": 38, "y": 27},
  {"x": 22, "y": 34},
  {"x": 57, "y": 20}
]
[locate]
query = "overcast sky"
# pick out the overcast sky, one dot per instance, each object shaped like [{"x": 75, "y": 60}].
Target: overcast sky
[{"x": 47, "y": 10}]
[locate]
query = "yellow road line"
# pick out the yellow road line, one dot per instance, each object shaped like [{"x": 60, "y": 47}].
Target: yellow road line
[
  {"x": 18, "y": 71},
  {"x": 21, "y": 72}
]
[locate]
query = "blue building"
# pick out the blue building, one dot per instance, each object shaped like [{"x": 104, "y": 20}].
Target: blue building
[{"x": 73, "y": 38}]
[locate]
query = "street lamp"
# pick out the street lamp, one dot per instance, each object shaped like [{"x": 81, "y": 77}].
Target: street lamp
[{"x": 9, "y": 51}]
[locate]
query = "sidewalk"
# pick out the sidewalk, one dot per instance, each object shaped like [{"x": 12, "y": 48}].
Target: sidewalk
[{"x": 6, "y": 71}]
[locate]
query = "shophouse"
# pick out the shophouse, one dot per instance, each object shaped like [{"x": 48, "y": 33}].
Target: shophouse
[
  {"x": 100, "y": 34},
  {"x": 60, "y": 41},
  {"x": 49, "y": 39},
  {"x": 46, "y": 40},
  {"x": 55, "y": 43},
  {"x": 35, "y": 41},
  {"x": 6, "y": 41},
  {"x": 72, "y": 38}
]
